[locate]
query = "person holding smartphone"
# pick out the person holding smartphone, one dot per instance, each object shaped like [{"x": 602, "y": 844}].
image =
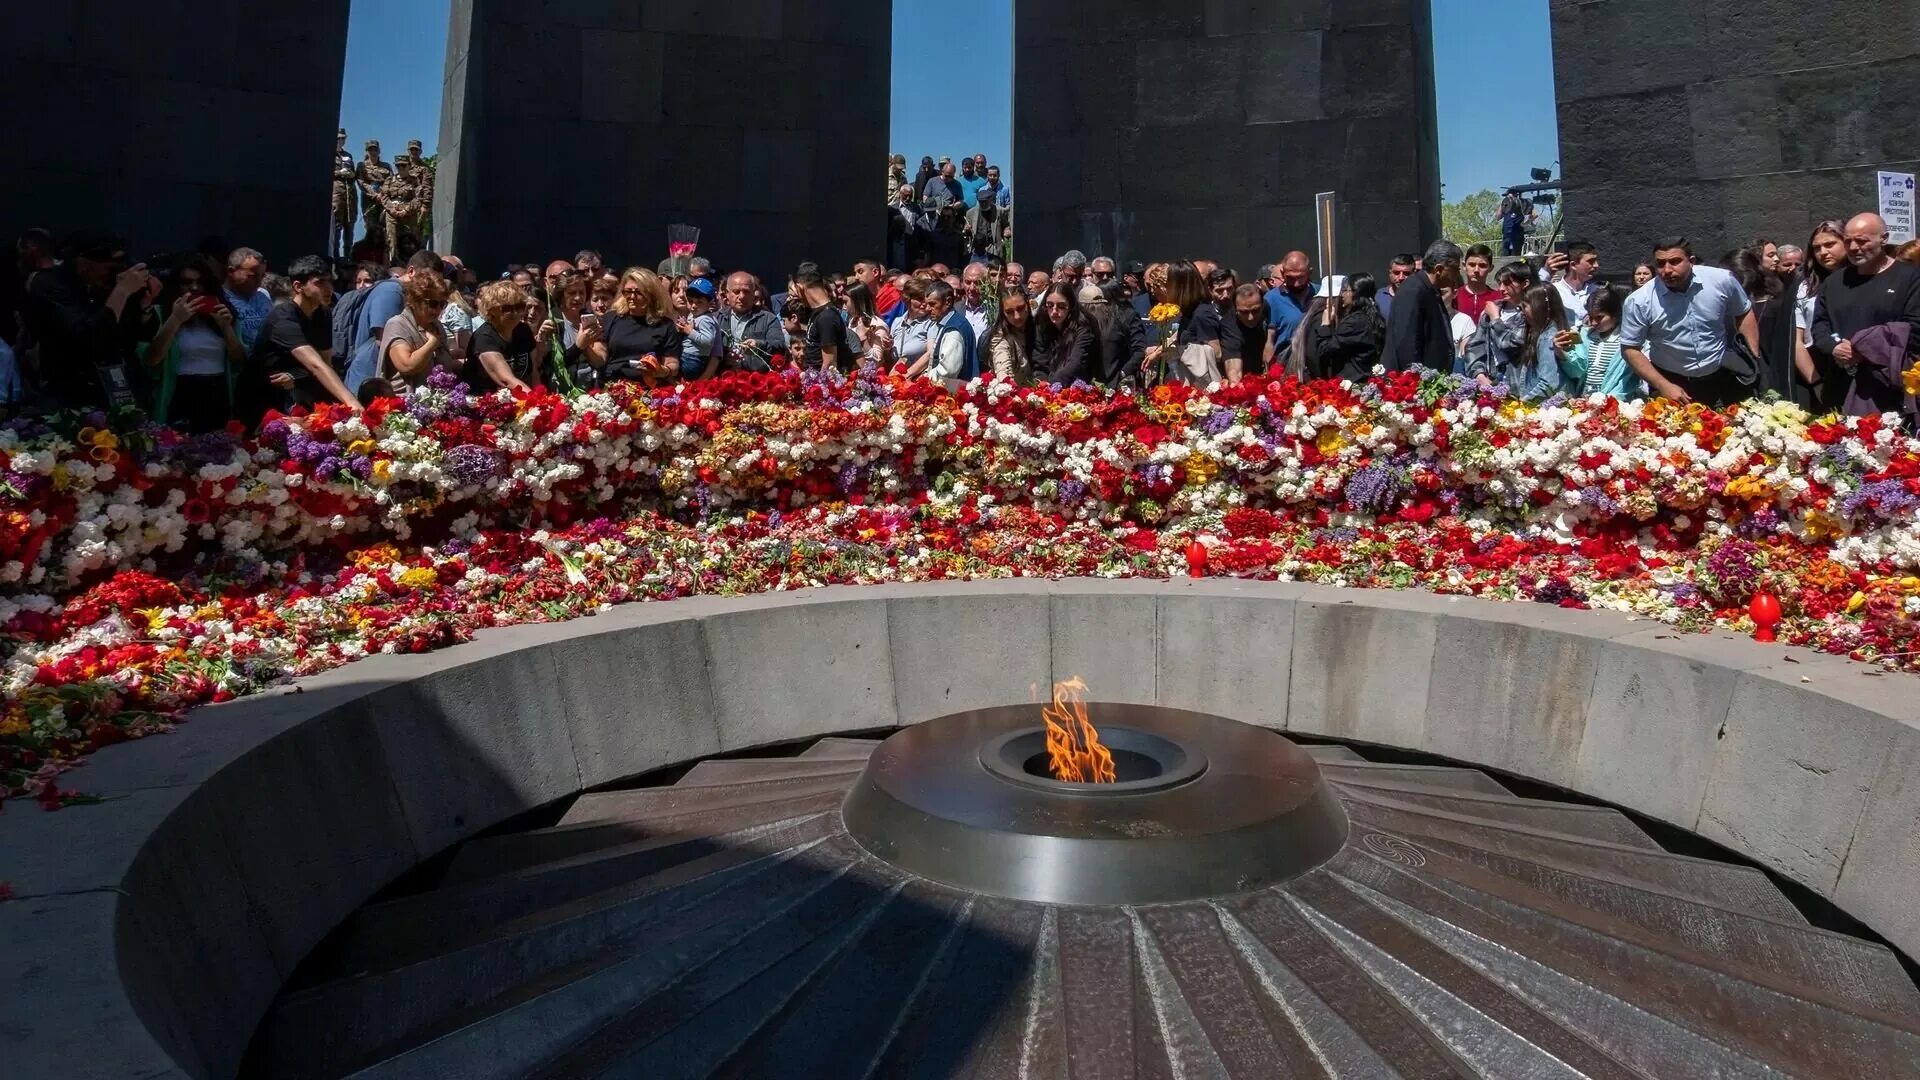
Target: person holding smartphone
[{"x": 195, "y": 354}]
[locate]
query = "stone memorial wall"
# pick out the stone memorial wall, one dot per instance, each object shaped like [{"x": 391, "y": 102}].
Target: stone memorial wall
[
  {"x": 1729, "y": 122},
  {"x": 601, "y": 123},
  {"x": 1148, "y": 130},
  {"x": 172, "y": 125}
]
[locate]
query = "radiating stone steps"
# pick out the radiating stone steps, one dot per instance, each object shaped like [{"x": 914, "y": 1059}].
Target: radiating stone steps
[
  {"x": 1438, "y": 776},
  {"x": 1735, "y": 888},
  {"x": 332, "y": 1026},
  {"x": 1325, "y": 754},
  {"x": 422, "y": 923},
  {"x": 1594, "y": 822},
  {"x": 658, "y": 803},
  {"x": 742, "y": 770},
  {"x": 1862, "y": 973},
  {"x": 841, "y": 749},
  {"x": 1727, "y": 998},
  {"x": 726, "y": 926},
  {"x": 505, "y": 853}
]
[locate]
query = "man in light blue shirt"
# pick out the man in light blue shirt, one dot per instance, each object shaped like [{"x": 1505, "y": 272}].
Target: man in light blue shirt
[
  {"x": 1677, "y": 330},
  {"x": 1287, "y": 302},
  {"x": 971, "y": 181},
  {"x": 246, "y": 269}
]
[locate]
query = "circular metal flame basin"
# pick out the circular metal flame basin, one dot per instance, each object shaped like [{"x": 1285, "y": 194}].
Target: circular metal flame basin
[{"x": 1204, "y": 806}]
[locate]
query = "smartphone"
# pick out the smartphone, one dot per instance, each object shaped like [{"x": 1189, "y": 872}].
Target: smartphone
[
  {"x": 588, "y": 318},
  {"x": 205, "y": 305}
]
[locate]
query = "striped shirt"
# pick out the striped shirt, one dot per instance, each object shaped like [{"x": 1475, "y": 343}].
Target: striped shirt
[{"x": 1605, "y": 354}]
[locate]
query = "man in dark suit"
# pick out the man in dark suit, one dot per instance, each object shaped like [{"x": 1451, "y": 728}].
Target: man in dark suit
[{"x": 1418, "y": 333}]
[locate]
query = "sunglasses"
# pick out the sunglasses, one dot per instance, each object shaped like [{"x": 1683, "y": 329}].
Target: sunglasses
[
  {"x": 633, "y": 292},
  {"x": 1055, "y": 305}
]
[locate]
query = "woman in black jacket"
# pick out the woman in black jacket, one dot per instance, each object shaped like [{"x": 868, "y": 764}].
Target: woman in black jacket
[
  {"x": 1347, "y": 340},
  {"x": 1063, "y": 341}
]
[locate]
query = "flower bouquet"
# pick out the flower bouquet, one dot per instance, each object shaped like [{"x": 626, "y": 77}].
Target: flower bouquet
[{"x": 1165, "y": 320}]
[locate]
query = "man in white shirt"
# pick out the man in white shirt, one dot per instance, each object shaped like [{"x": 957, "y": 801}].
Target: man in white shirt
[
  {"x": 946, "y": 358},
  {"x": 1677, "y": 330},
  {"x": 1576, "y": 285},
  {"x": 973, "y": 302}
]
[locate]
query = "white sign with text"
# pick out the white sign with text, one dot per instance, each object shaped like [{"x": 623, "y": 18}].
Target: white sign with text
[{"x": 1896, "y": 205}]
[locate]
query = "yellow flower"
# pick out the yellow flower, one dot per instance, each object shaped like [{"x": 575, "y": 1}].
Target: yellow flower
[
  {"x": 382, "y": 470},
  {"x": 1750, "y": 487},
  {"x": 360, "y": 446},
  {"x": 105, "y": 440},
  {"x": 12, "y": 725},
  {"x": 1823, "y": 526},
  {"x": 1856, "y": 602},
  {"x": 1330, "y": 441},
  {"x": 1163, "y": 313},
  {"x": 1201, "y": 469},
  {"x": 419, "y": 577},
  {"x": 1911, "y": 379},
  {"x": 157, "y": 617}
]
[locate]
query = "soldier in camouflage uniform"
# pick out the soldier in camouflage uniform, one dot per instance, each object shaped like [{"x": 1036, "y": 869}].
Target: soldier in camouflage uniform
[
  {"x": 405, "y": 212},
  {"x": 372, "y": 176},
  {"x": 345, "y": 206},
  {"x": 419, "y": 170}
]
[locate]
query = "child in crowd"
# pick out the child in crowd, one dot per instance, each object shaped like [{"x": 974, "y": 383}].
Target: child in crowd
[
  {"x": 1594, "y": 365},
  {"x": 700, "y": 353}
]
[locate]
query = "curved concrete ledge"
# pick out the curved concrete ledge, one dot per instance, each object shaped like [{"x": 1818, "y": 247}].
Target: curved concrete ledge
[{"x": 151, "y": 932}]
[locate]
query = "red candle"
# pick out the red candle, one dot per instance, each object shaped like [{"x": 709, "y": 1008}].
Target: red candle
[
  {"x": 1765, "y": 610},
  {"x": 1196, "y": 558}
]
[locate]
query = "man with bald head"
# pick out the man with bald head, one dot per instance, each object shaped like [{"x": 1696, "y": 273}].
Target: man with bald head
[
  {"x": 1292, "y": 292},
  {"x": 750, "y": 333},
  {"x": 1867, "y": 320}
]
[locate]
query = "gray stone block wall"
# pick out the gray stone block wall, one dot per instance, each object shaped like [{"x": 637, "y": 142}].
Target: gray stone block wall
[
  {"x": 170, "y": 124},
  {"x": 599, "y": 123},
  {"x": 1148, "y": 130},
  {"x": 1729, "y": 122}
]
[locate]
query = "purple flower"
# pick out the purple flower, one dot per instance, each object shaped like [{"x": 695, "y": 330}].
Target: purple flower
[
  {"x": 471, "y": 465},
  {"x": 1597, "y": 498},
  {"x": 1375, "y": 489},
  {"x": 1071, "y": 491},
  {"x": 1731, "y": 574},
  {"x": 1217, "y": 421},
  {"x": 1883, "y": 500}
]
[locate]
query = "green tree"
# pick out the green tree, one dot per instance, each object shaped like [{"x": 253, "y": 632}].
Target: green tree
[{"x": 1472, "y": 220}]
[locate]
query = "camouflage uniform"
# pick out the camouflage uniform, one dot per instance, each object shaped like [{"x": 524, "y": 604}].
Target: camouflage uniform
[
  {"x": 345, "y": 205},
  {"x": 419, "y": 173},
  {"x": 372, "y": 176},
  {"x": 400, "y": 199}
]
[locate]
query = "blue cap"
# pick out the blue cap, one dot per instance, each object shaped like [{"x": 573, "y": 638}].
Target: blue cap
[{"x": 701, "y": 287}]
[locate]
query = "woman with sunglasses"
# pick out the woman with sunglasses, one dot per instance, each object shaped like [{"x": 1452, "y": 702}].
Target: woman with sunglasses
[
  {"x": 197, "y": 351},
  {"x": 414, "y": 343},
  {"x": 640, "y": 341}
]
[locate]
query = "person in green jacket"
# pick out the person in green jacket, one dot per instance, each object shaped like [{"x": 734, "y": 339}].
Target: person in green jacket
[
  {"x": 195, "y": 354},
  {"x": 1594, "y": 365}
]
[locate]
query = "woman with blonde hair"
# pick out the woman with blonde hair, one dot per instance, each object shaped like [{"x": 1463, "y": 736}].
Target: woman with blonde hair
[
  {"x": 640, "y": 339},
  {"x": 505, "y": 351}
]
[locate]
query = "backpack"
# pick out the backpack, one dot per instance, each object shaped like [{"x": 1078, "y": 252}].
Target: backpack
[{"x": 346, "y": 324}]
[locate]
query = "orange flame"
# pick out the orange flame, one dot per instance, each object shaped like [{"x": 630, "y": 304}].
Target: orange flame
[{"x": 1074, "y": 751}]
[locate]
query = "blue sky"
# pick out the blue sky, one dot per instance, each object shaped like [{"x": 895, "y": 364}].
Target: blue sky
[{"x": 1488, "y": 138}]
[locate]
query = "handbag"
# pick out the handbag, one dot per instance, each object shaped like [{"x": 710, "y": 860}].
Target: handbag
[
  {"x": 1740, "y": 362},
  {"x": 1197, "y": 367}
]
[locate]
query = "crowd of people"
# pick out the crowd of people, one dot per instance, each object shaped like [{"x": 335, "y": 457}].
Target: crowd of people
[{"x": 207, "y": 339}]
